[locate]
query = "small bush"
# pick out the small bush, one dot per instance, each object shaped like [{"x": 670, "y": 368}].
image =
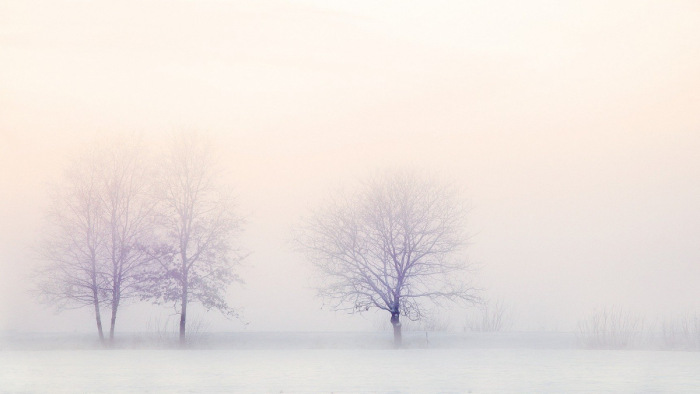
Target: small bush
[
  {"x": 610, "y": 329},
  {"x": 167, "y": 332},
  {"x": 490, "y": 316},
  {"x": 682, "y": 332}
]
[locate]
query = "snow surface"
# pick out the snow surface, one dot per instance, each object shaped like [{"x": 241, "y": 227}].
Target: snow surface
[{"x": 254, "y": 364}]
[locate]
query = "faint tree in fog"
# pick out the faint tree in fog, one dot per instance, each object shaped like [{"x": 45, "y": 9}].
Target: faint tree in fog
[
  {"x": 196, "y": 254},
  {"x": 392, "y": 245},
  {"x": 72, "y": 273},
  {"x": 128, "y": 209},
  {"x": 98, "y": 225}
]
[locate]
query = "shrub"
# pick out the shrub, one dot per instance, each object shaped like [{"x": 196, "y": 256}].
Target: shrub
[
  {"x": 490, "y": 316},
  {"x": 610, "y": 329},
  {"x": 682, "y": 332}
]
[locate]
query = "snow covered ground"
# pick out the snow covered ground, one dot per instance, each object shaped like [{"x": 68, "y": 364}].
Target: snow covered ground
[{"x": 333, "y": 362}]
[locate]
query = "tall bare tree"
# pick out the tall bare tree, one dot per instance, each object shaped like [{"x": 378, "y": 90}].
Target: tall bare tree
[
  {"x": 128, "y": 209},
  {"x": 99, "y": 225},
  {"x": 197, "y": 254},
  {"x": 392, "y": 246},
  {"x": 71, "y": 275}
]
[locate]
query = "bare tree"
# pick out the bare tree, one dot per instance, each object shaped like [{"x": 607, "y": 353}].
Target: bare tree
[
  {"x": 128, "y": 210},
  {"x": 393, "y": 245},
  {"x": 99, "y": 223},
  {"x": 71, "y": 273},
  {"x": 198, "y": 225}
]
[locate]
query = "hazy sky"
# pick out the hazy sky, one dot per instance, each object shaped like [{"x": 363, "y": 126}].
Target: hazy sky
[{"x": 573, "y": 126}]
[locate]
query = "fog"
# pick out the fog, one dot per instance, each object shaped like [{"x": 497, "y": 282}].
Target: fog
[{"x": 573, "y": 128}]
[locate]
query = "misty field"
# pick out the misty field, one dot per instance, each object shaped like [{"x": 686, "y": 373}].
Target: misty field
[{"x": 338, "y": 362}]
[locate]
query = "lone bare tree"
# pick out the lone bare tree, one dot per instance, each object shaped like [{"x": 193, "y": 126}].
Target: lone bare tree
[
  {"x": 392, "y": 246},
  {"x": 71, "y": 275},
  {"x": 198, "y": 227}
]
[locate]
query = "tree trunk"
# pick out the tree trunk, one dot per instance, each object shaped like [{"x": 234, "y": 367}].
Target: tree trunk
[
  {"x": 97, "y": 317},
  {"x": 95, "y": 295},
  {"x": 183, "y": 314},
  {"x": 397, "y": 329},
  {"x": 115, "y": 280},
  {"x": 115, "y": 305}
]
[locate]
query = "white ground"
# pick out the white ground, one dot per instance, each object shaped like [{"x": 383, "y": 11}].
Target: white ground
[{"x": 306, "y": 368}]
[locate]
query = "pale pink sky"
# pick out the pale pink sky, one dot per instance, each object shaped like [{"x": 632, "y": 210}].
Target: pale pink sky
[{"x": 573, "y": 126}]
